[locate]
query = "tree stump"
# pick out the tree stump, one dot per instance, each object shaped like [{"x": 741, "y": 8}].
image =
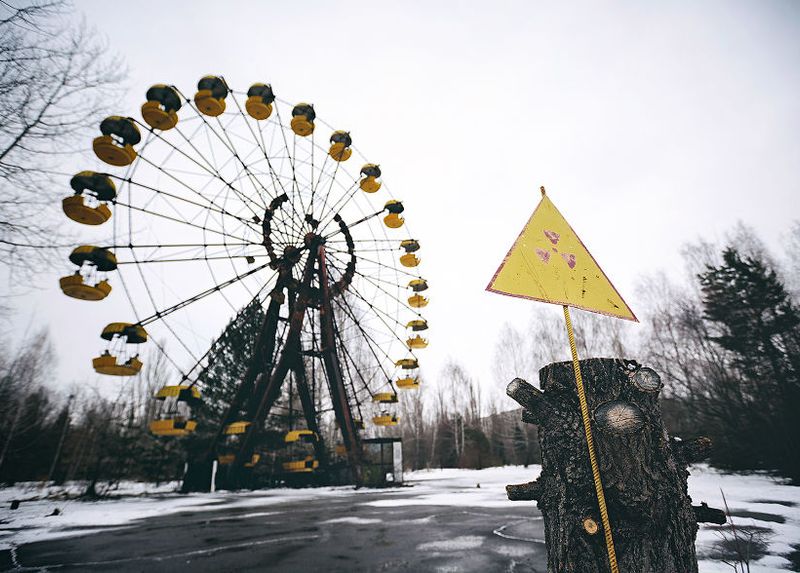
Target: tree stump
[{"x": 643, "y": 471}]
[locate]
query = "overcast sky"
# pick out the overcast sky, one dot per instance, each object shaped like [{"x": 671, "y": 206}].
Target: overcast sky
[{"x": 650, "y": 124}]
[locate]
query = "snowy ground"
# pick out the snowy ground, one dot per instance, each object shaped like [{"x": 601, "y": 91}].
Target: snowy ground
[{"x": 758, "y": 504}]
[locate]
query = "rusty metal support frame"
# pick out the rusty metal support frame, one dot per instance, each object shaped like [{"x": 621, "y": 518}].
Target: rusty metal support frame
[
  {"x": 264, "y": 377},
  {"x": 341, "y": 406},
  {"x": 290, "y": 355}
]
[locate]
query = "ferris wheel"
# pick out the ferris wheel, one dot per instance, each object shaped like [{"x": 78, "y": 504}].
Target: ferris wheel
[{"x": 230, "y": 200}]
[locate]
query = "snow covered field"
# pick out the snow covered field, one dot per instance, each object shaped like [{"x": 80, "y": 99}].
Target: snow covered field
[{"x": 758, "y": 503}]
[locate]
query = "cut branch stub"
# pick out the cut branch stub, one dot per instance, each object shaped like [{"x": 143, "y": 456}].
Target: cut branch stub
[
  {"x": 529, "y": 398},
  {"x": 705, "y": 514},
  {"x": 619, "y": 417},
  {"x": 692, "y": 451},
  {"x": 523, "y": 491}
]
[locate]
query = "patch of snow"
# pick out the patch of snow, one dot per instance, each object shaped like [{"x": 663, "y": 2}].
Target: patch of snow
[
  {"x": 353, "y": 520},
  {"x": 755, "y": 492},
  {"x": 518, "y": 550},
  {"x": 461, "y": 543}
]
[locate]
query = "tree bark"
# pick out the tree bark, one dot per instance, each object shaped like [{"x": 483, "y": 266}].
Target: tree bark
[{"x": 643, "y": 472}]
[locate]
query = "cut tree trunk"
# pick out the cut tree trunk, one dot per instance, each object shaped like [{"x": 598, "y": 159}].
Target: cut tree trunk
[{"x": 643, "y": 472}]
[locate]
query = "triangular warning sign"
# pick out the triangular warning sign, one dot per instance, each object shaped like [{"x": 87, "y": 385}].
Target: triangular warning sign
[{"x": 548, "y": 262}]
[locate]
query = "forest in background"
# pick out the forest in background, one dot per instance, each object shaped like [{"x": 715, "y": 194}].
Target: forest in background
[{"x": 726, "y": 344}]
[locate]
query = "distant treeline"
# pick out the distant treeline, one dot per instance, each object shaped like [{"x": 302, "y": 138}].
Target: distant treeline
[{"x": 726, "y": 343}]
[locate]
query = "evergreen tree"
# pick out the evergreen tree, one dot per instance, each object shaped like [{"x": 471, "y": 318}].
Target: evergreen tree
[
  {"x": 228, "y": 360},
  {"x": 752, "y": 317}
]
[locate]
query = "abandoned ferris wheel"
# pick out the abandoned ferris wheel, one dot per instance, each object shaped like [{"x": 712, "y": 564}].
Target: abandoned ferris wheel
[{"x": 231, "y": 198}]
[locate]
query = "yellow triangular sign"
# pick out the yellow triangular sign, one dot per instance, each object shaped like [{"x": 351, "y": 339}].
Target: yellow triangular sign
[{"x": 548, "y": 262}]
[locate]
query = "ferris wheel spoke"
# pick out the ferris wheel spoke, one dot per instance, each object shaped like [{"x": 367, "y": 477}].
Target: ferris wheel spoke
[
  {"x": 209, "y": 168},
  {"x": 371, "y": 343},
  {"x": 157, "y": 344},
  {"x": 253, "y": 180},
  {"x": 380, "y": 313},
  {"x": 194, "y": 191},
  {"x": 190, "y": 259},
  {"x": 129, "y": 175},
  {"x": 351, "y": 225},
  {"x": 328, "y": 217},
  {"x": 161, "y": 215},
  {"x": 276, "y": 180},
  {"x": 388, "y": 267},
  {"x": 210, "y": 207},
  {"x": 345, "y": 357},
  {"x": 392, "y": 296},
  {"x": 228, "y": 144},
  {"x": 291, "y": 157},
  {"x": 199, "y": 296},
  {"x": 180, "y": 245},
  {"x": 344, "y": 200}
]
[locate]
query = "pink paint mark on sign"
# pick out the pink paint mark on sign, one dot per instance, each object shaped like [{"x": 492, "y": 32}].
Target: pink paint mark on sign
[
  {"x": 552, "y": 236},
  {"x": 544, "y": 255},
  {"x": 569, "y": 259}
]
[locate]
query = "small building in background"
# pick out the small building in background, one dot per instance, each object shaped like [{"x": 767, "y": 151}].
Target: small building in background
[{"x": 383, "y": 462}]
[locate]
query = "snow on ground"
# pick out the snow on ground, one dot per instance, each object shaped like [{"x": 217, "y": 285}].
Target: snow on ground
[{"x": 756, "y": 501}]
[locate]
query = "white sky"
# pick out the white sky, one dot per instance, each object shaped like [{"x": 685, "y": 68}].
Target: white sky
[{"x": 650, "y": 123}]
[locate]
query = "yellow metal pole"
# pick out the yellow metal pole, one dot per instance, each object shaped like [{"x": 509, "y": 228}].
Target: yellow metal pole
[{"x": 587, "y": 428}]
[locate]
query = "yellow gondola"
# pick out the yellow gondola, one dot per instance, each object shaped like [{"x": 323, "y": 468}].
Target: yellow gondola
[
  {"x": 393, "y": 220},
  {"x": 418, "y": 285},
  {"x": 173, "y": 427},
  {"x": 418, "y": 301},
  {"x": 98, "y": 188},
  {"x": 183, "y": 393},
  {"x": 226, "y": 459},
  {"x": 408, "y": 383},
  {"x": 410, "y": 260},
  {"x": 120, "y": 334},
  {"x": 254, "y": 459},
  {"x": 417, "y": 342},
  {"x": 307, "y": 464},
  {"x": 340, "y": 146},
  {"x": 300, "y": 435},
  {"x": 236, "y": 428},
  {"x": 385, "y": 397},
  {"x": 369, "y": 182},
  {"x": 417, "y": 325},
  {"x": 407, "y": 363},
  {"x": 160, "y": 111},
  {"x": 303, "y": 116},
  {"x": 85, "y": 284},
  {"x": 107, "y": 364},
  {"x": 133, "y": 333},
  {"x": 385, "y": 419},
  {"x": 115, "y": 146},
  {"x": 101, "y": 258},
  {"x": 410, "y": 245},
  {"x": 259, "y": 101},
  {"x": 74, "y": 286},
  {"x": 210, "y": 96}
]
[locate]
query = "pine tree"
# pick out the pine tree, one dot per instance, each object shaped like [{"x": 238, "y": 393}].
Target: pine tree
[
  {"x": 752, "y": 317},
  {"x": 229, "y": 357}
]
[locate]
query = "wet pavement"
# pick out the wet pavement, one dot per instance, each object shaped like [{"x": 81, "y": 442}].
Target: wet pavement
[{"x": 319, "y": 534}]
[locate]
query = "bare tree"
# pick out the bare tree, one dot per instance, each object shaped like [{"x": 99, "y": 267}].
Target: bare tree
[{"x": 56, "y": 83}]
